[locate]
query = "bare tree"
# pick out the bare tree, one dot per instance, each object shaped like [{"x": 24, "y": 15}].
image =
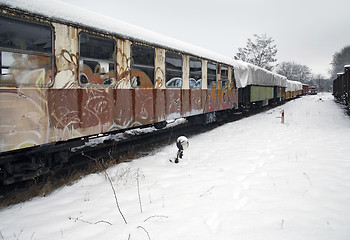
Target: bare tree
[
  {"x": 322, "y": 83},
  {"x": 294, "y": 71},
  {"x": 261, "y": 52},
  {"x": 340, "y": 59}
]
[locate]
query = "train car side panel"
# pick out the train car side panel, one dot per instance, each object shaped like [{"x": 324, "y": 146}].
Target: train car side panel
[
  {"x": 173, "y": 103},
  {"x": 196, "y": 101}
]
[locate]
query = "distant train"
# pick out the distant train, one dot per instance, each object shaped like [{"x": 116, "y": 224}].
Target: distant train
[
  {"x": 341, "y": 88},
  {"x": 67, "y": 74}
]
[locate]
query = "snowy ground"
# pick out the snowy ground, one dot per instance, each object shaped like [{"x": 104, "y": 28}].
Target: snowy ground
[{"x": 251, "y": 179}]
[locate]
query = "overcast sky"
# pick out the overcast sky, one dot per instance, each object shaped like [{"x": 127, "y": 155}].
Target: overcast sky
[{"x": 307, "y": 32}]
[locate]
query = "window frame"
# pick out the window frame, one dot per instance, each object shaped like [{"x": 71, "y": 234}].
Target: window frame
[
  {"x": 226, "y": 79},
  {"x": 216, "y": 71},
  {"x": 174, "y": 70},
  {"x": 136, "y": 84},
  {"x": 51, "y": 55},
  {"x": 193, "y": 59},
  {"x": 109, "y": 61}
]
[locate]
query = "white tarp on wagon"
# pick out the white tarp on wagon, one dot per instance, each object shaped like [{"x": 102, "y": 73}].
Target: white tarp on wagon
[
  {"x": 248, "y": 74},
  {"x": 293, "y": 86}
]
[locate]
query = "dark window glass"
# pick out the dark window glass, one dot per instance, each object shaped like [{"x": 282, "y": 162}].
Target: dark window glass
[
  {"x": 224, "y": 76},
  {"x": 97, "y": 64},
  {"x": 23, "y": 35},
  {"x": 211, "y": 74},
  {"x": 195, "y": 73},
  {"x": 142, "y": 55},
  {"x": 142, "y": 64},
  {"x": 96, "y": 47},
  {"x": 173, "y": 70},
  {"x": 25, "y": 53}
]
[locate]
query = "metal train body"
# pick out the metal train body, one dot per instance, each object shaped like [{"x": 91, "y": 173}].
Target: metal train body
[
  {"x": 67, "y": 74},
  {"x": 341, "y": 88}
]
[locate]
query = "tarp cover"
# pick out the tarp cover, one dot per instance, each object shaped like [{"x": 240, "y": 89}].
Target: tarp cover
[{"x": 293, "y": 86}]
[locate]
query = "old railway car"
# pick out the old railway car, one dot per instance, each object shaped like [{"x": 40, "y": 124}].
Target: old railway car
[
  {"x": 341, "y": 88},
  {"x": 259, "y": 87},
  {"x": 68, "y": 75},
  {"x": 305, "y": 89},
  {"x": 69, "y": 78},
  {"x": 294, "y": 89}
]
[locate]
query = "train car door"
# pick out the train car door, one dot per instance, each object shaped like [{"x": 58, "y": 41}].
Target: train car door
[
  {"x": 223, "y": 88},
  {"x": 212, "y": 89},
  {"x": 142, "y": 83},
  {"x": 195, "y": 91},
  {"x": 173, "y": 83}
]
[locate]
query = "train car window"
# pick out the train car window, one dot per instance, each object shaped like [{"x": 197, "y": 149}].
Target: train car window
[
  {"x": 173, "y": 70},
  {"x": 26, "y": 53},
  {"x": 211, "y": 74},
  {"x": 142, "y": 66},
  {"x": 96, "y": 64},
  {"x": 224, "y": 76},
  {"x": 195, "y": 73}
]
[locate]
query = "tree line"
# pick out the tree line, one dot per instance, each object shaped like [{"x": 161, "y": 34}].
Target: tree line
[{"x": 261, "y": 51}]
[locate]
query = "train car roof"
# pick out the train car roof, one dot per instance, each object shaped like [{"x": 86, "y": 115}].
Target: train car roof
[
  {"x": 293, "y": 86},
  {"x": 70, "y": 14},
  {"x": 245, "y": 73}
]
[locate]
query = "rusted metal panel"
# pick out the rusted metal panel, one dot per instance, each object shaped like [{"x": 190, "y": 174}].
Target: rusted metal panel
[
  {"x": 223, "y": 97},
  {"x": 143, "y": 105},
  {"x": 234, "y": 98},
  {"x": 80, "y": 112},
  {"x": 196, "y": 101},
  {"x": 185, "y": 103},
  {"x": 159, "y": 96},
  {"x": 173, "y": 103},
  {"x": 124, "y": 115},
  {"x": 210, "y": 99}
]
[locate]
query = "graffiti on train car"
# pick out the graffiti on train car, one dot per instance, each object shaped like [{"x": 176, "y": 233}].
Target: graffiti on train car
[
  {"x": 25, "y": 70},
  {"x": 24, "y": 121},
  {"x": 23, "y": 113},
  {"x": 76, "y": 83}
]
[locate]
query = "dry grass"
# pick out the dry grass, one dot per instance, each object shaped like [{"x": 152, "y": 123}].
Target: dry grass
[{"x": 44, "y": 186}]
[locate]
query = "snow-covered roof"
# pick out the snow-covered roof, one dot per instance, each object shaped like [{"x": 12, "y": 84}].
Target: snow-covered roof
[
  {"x": 65, "y": 12},
  {"x": 293, "y": 86},
  {"x": 245, "y": 73},
  {"x": 249, "y": 74}
]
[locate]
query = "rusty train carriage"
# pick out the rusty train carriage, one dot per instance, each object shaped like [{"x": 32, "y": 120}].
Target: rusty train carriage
[
  {"x": 341, "y": 86},
  {"x": 62, "y": 82},
  {"x": 74, "y": 81}
]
